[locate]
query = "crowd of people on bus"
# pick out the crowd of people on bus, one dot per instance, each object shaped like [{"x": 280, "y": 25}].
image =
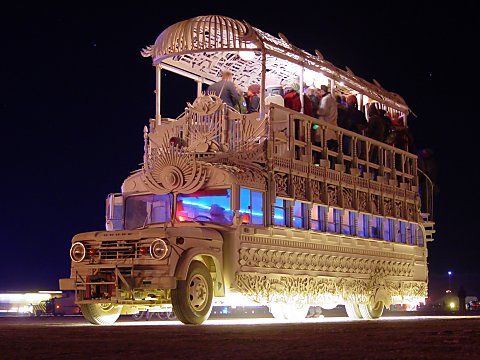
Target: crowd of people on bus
[{"x": 339, "y": 110}]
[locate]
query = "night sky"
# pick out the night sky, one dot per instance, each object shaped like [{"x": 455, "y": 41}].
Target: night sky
[{"x": 75, "y": 95}]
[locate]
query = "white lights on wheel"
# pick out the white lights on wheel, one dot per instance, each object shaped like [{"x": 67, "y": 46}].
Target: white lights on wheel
[
  {"x": 77, "y": 252},
  {"x": 159, "y": 249}
]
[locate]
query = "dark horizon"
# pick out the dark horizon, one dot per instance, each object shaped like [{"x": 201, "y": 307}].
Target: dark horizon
[{"x": 76, "y": 94}]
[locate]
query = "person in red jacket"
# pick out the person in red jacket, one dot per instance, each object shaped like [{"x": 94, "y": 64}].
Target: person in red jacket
[{"x": 292, "y": 100}]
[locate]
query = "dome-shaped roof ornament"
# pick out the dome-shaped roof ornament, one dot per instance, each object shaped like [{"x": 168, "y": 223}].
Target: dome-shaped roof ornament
[{"x": 204, "y": 33}]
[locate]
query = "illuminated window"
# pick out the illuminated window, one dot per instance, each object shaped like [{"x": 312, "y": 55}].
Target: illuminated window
[
  {"x": 205, "y": 206},
  {"x": 318, "y": 218},
  {"x": 300, "y": 215},
  {"x": 251, "y": 206},
  {"x": 141, "y": 210},
  {"x": 279, "y": 212},
  {"x": 334, "y": 220},
  {"x": 348, "y": 222},
  {"x": 402, "y": 232},
  {"x": 389, "y": 229},
  {"x": 363, "y": 230},
  {"x": 376, "y": 227}
]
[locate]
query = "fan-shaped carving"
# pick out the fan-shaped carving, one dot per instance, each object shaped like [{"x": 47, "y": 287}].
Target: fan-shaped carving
[
  {"x": 170, "y": 169},
  {"x": 206, "y": 104}
]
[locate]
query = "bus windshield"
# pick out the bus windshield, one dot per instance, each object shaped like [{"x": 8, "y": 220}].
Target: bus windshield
[
  {"x": 141, "y": 210},
  {"x": 205, "y": 206}
]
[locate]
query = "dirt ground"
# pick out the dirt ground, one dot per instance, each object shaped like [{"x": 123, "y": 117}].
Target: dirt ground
[{"x": 389, "y": 338}]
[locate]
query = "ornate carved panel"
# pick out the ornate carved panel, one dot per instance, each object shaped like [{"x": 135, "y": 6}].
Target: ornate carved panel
[
  {"x": 411, "y": 212},
  {"x": 270, "y": 288},
  {"x": 297, "y": 260},
  {"x": 398, "y": 208},
  {"x": 332, "y": 193},
  {"x": 316, "y": 189},
  {"x": 375, "y": 204},
  {"x": 299, "y": 187},
  {"x": 347, "y": 198},
  {"x": 362, "y": 201},
  {"x": 388, "y": 206},
  {"x": 281, "y": 184}
]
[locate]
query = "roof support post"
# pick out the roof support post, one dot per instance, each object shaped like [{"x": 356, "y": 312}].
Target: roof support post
[
  {"x": 199, "y": 87},
  {"x": 302, "y": 99},
  {"x": 158, "y": 93},
  {"x": 262, "y": 85},
  {"x": 332, "y": 86}
]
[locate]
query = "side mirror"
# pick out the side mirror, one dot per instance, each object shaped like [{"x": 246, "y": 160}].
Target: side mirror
[{"x": 114, "y": 212}]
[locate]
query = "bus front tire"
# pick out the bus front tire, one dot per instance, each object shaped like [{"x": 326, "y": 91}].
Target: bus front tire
[
  {"x": 192, "y": 299},
  {"x": 101, "y": 314}
]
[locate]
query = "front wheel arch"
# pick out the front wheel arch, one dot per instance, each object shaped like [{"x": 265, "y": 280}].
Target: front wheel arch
[{"x": 211, "y": 261}]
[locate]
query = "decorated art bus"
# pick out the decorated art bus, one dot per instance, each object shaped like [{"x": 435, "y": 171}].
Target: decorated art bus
[{"x": 231, "y": 208}]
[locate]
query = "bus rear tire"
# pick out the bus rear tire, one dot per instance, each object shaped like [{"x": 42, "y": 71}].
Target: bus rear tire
[
  {"x": 192, "y": 299},
  {"x": 101, "y": 314},
  {"x": 353, "y": 311},
  {"x": 370, "y": 312}
]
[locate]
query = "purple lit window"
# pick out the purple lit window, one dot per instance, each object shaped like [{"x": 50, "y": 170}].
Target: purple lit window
[{"x": 205, "y": 206}]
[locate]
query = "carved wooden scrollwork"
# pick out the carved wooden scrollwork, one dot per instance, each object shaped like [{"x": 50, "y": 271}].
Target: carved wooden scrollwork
[
  {"x": 362, "y": 201},
  {"x": 281, "y": 184},
  {"x": 347, "y": 198},
  {"x": 300, "y": 187},
  {"x": 388, "y": 206},
  {"x": 170, "y": 169},
  {"x": 270, "y": 288},
  {"x": 278, "y": 259},
  {"x": 332, "y": 192}
]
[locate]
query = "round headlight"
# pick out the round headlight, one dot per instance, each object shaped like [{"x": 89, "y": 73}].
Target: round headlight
[
  {"x": 159, "y": 249},
  {"x": 77, "y": 252}
]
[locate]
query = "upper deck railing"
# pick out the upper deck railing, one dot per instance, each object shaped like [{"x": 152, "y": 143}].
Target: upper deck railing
[
  {"x": 295, "y": 137},
  {"x": 305, "y": 140}
]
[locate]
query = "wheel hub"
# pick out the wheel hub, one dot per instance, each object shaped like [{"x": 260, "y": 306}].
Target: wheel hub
[{"x": 198, "y": 292}]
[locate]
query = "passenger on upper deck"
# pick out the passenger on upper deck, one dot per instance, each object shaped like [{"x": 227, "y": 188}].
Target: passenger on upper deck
[
  {"x": 376, "y": 124},
  {"x": 314, "y": 99},
  {"x": 356, "y": 118},
  {"x": 226, "y": 90},
  {"x": 252, "y": 99},
  {"x": 327, "y": 112},
  {"x": 291, "y": 97}
]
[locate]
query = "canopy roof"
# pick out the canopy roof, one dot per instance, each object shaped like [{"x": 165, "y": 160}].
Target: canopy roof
[{"x": 205, "y": 45}]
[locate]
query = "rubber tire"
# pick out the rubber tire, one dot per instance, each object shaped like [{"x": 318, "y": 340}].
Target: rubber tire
[
  {"x": 353, "y": 311},
  {"x": 290, "y": 312},
  {"x": 180, "y": 304},
  {"x": 94, "y": 314},
  {"x": 370, "y": 313}
]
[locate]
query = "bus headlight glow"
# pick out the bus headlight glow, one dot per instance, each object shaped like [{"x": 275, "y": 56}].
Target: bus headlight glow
[
  {"x": 77, "y": 252},
  {"x": 159, "y": 249}
]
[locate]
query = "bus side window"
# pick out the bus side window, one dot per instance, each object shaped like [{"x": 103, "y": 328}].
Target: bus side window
[
  {"x": 279, "y": 212},
  {"x": 251, "y": 206}
]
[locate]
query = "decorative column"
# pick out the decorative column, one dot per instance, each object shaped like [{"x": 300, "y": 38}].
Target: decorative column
[
  {"x": 158, "y": 93},
  {"x": 302, "y": 100},
  {"x": 262, "y": 85}
]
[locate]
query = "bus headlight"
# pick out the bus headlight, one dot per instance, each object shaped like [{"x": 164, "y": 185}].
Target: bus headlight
[
  {"x": 77, "y": 252},
  {"x": 159, "y": 249}
]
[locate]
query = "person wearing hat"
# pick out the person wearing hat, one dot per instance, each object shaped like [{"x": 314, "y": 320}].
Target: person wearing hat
[
  {"x": 252, "y": 99},
  {"x": 226, "y": 90}
]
